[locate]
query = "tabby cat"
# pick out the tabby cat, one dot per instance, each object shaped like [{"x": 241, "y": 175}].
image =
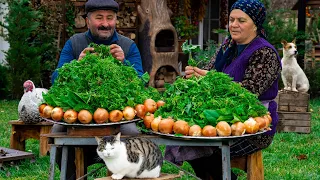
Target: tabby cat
[{"x": 135, "y": 157}]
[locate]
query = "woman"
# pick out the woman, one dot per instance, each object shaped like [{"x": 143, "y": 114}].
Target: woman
[{"x": 252, "y": 61}]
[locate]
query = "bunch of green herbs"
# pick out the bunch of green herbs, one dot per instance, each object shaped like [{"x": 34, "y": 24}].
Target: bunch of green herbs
[
  {"x": 208, "y": 100},
  {"x": 98, "y": 80},
  {"x": 199, "y": 57}
]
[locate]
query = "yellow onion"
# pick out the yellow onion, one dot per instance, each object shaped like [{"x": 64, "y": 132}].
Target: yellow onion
[
  {"x": 209, "y": 131},
  {"x": 155, "y": 124},
  {"x": 129, "y": 113},
  {"x": 70, "y": 116},
  {"x": 150, "y": 105},
  {"x": 115, "y": 116},
  {"x": 84, "y": 116},
  {"x": 140, "y": 110},
  {"x": 166, "y": 126},
  {"x": 100, "y": 116},
  {"x": 251, "y": 126},
  {"x": 237, "y": 129},
  {"x": 47, "y": 111},
  {"x": 261, "y": 122},
  {"x": 148, "y": 118},
  {"x": 57, "y": 114},
  {"x": 223, "y": 128},
  {"x": 181, "y": 127},
  {"x": 195, "y": 130}
]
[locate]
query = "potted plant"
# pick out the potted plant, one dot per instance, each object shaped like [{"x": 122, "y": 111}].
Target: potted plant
[{"x": 185, "y": 29}]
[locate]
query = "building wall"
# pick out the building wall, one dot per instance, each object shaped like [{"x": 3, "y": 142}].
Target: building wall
[{"x": 4, "y": 45}]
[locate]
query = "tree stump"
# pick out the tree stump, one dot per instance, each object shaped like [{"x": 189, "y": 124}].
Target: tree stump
[{"x": 158, "y": 41}]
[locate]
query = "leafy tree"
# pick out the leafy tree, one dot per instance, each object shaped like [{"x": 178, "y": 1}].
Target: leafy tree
[{"x": 23, "y": 55}]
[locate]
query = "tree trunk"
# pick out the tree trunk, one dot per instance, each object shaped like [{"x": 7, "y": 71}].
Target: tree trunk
[{"x": 157, "y": 39}]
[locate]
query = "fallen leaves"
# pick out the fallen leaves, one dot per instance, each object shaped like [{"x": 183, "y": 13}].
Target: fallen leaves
[{"x": 302, "y": 157}]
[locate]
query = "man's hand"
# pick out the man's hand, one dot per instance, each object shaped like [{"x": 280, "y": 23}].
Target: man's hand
[
  {"x": 194, "y": 71},
  {"x": 83, "y": 53},
  {"x": 117, "y": 52}
]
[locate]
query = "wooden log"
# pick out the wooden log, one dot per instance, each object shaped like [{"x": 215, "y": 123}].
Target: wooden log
[{"x": 160, "y": 83}]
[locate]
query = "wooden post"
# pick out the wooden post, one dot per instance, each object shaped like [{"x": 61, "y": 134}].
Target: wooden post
[
  {"x": 81, "y": 168},
  {"x": 255, "y": 167},
  {"x": 301, "y": 29},
  {"x": 44, "y": 146}
]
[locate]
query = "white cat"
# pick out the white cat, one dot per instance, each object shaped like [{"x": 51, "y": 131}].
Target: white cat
[{"x": 134, "y": 158}]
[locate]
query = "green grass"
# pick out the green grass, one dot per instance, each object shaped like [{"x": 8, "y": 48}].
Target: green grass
[{"x": 291, "y": 156}]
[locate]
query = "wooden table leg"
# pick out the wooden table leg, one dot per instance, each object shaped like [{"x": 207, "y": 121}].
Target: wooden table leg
[
  {"x": 64, "y": 163},
  {"x": 81, "y": 168},
  {"x": 15, "y": 139},
  {"x": 44, "y": 146},
  {"x": 255, "y": 166},
  {"x": 53, "y": 151},
  {"x": 226, "y": 167}
]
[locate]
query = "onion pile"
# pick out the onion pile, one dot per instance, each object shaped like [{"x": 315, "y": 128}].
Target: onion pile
[
  {"x": 143, "y": 111},
  {"x": 222, "y": 129}
]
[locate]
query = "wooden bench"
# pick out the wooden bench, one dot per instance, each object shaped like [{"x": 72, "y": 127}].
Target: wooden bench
[
  {"x": 252, "y": 164},
  {"x": 20, "y": 132}
]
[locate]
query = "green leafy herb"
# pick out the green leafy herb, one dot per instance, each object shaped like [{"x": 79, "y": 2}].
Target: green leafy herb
[
  {"x": 98, "y": 80},
  {"x": 189, "y": 49},
  {"x": 208, "y": 100}
]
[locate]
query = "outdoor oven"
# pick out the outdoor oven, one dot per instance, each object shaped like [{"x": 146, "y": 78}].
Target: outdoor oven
[{"x": 158, "y": 42}]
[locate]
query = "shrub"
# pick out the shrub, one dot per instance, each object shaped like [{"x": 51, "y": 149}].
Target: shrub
[
  {"x": 4, "y": 82},
  {"x": 23, "y": 56},
  {"x": 32, "y": 52},
  {"x": 280, "y": 24},
  {"x": 314, "y": 76}
]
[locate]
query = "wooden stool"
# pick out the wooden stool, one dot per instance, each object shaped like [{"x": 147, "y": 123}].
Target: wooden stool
[
  {"x": 20, "y": 132},
  {"x": 252, "y": 164}
]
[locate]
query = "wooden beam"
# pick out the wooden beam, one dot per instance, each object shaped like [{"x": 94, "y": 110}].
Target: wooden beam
[{"x": 301, "y": 29}]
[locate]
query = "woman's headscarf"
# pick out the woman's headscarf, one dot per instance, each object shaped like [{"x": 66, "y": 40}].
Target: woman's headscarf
[{"x": 257, "y": 12}]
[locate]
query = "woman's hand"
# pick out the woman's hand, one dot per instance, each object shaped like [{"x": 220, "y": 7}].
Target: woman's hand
[
  {"x": 83, "y": 53},
  {"x": 194, "y": 71},
  {"x": 117, "y": 52}
]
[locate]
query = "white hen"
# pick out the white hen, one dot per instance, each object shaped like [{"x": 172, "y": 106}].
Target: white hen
[{"x": 29, "y": 103}]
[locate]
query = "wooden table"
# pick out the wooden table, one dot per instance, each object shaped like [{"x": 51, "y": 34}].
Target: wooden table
[
  {"x": 13, "y": 155},
  {"x": 65, "y": 141},
  {"x": 21, "y": 131}
]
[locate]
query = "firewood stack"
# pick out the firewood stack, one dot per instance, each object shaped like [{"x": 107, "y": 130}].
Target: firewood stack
[
  {"x": 127, "y": 18},
  {"x": 164, "y": 75}
]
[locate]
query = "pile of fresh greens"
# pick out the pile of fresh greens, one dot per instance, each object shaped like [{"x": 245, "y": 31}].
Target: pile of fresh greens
[
  {"x": 98, "y": 80},
  {"x": 208, "y": 100}
]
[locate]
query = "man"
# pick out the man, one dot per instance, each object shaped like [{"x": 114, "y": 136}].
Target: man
[{"x": 101, "y": 21}]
